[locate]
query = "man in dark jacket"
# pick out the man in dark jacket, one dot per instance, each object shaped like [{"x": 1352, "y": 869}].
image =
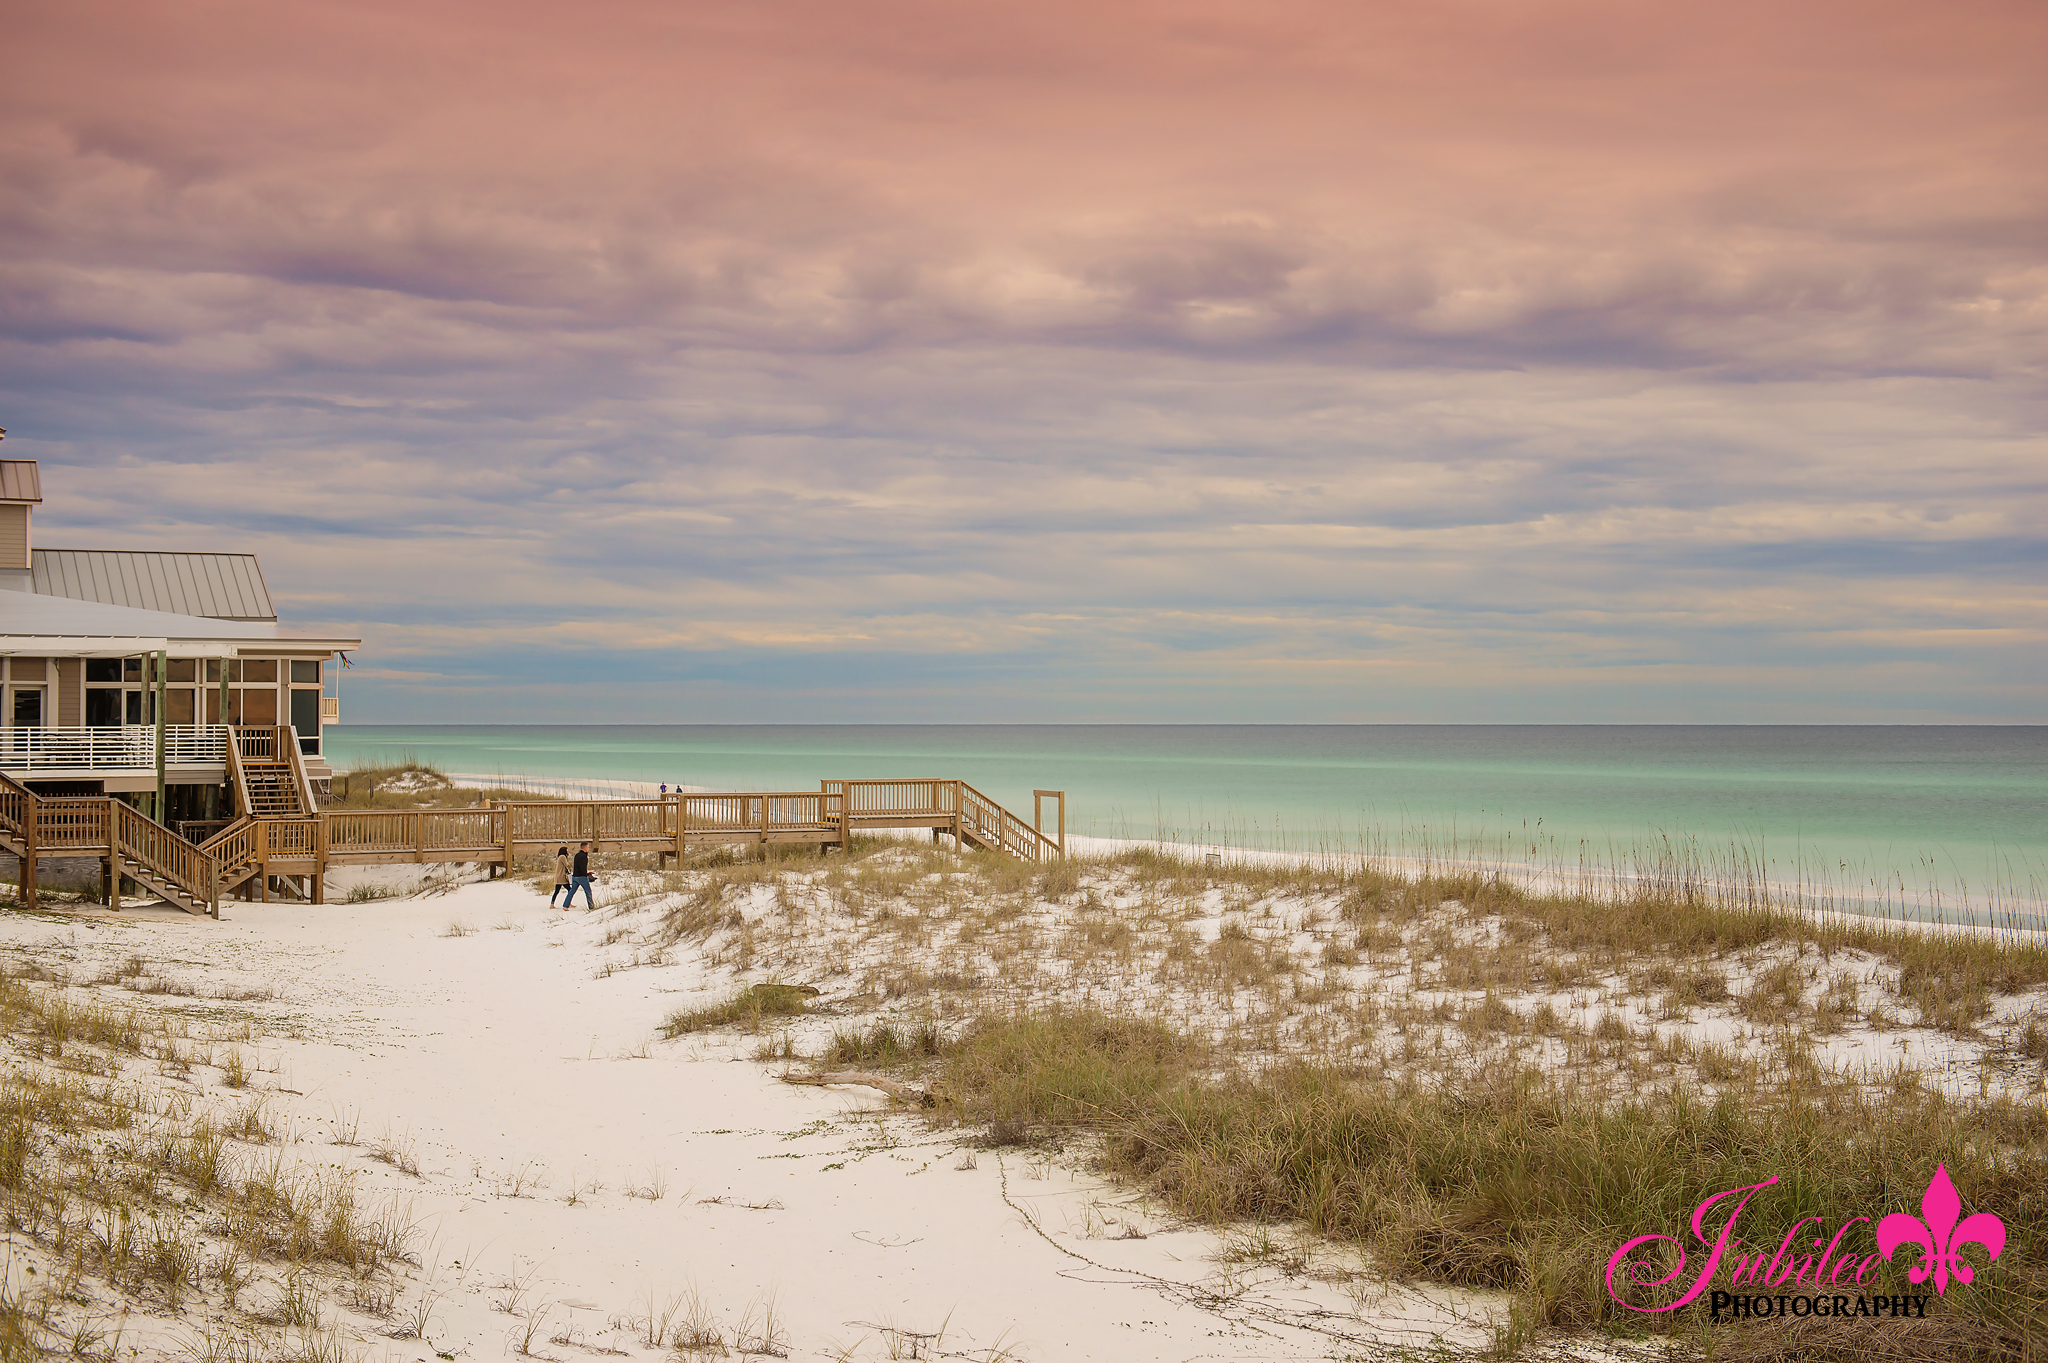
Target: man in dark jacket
[{"x": 580, "y": 877}]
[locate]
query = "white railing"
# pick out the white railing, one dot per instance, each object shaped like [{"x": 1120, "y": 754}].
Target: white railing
[{"x": 125, "y": 747}]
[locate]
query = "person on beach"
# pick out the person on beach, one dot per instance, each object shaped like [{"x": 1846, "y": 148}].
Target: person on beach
[
  {"x": 561, "y": 878},
  {"x": 580, "y": 878}
]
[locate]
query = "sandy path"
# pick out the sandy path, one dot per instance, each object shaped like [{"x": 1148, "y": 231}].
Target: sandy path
[{"x": 514, "y": 1075}]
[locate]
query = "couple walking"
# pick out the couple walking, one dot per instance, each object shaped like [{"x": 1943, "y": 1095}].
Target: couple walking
[{"x": 573, "y": 874}]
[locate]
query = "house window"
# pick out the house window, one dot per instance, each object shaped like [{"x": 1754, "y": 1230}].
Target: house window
[
  {"x": 28, "y": 706},
  {"x": 103, "y": 705},
  {"x": 103, "y": 670}
]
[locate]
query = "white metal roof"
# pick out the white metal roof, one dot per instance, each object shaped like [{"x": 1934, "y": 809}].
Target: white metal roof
[
  {"x": 54, "y": 626},
  {"x": 220, "y": 586}
]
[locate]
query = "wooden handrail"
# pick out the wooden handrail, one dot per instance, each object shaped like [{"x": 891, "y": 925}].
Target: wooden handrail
[
  {"x": 17, "y": 805},
  {"x": 236, "y": 778},
  {"x": 142, "y": 840},
  {"x": 998, "y": 825},
  {"x": 288, "y": 739}
]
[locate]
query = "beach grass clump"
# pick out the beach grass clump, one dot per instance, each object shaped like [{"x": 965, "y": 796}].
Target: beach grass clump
[
  {"x": 1058, "y": 1067},
  {"x": 114, "y": 1191},
  {"x": 1512, "y": 1180},
  {"x": 412, "y": 784},
  {"x": 884, "y": 1045},
  {"x": 748, "y": 1009}
]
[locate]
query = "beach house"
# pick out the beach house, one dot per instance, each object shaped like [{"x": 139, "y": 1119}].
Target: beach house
[
  {"x": 125, "y": 667},
  {"x": 156, "y": 718}
]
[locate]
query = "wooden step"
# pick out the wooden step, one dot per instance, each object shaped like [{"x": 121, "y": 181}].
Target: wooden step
[{"x": 165, "y": 890}]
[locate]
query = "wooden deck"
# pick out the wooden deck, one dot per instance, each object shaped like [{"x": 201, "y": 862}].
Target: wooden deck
[{"x": 251, "y": 852}]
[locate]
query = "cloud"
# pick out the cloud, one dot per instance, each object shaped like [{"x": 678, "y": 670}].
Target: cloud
[{"x": 1165, "y": 360}]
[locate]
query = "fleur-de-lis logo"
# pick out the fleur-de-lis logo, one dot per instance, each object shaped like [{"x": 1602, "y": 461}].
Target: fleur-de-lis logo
[{"x": 1938, "y": 1236}]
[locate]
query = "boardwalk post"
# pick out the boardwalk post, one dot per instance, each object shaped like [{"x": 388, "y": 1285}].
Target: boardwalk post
[
  {"x": 1038, "y": 799},
  {"x": 26, "y": 895},
  {"x": 163, "y": 675},
  {"x": 505, "y": 814},
  {"x": 320, "y": 861}
]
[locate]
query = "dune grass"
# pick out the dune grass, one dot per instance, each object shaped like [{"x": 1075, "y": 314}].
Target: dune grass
[
  {"x": 748, "y": 1008},
  {"x": 166, "y": 1205},
  {"x": 1477, "y": 1084},
  {"x": 412, "y": 785},
  {"x": 1513, "y": 1181}
]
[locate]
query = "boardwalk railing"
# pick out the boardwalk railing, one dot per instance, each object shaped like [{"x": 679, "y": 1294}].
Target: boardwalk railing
[
  {"x": 260, "y": 847},
  {"x": 413, "y": 834},
  {"x": 989, "y": 823},
  {"x": 144, "y": 842},
  {"x": 766, "y": 813},
  {"x": 67, "y": 822},
  {"x": 893, "y": 801},
  {"x": 234, "y": 850},
  {"x": 938, "y": 804},
  {"x": 126, "y": 747}
]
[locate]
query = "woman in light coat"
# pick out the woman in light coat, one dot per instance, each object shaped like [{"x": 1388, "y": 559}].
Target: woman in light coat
[{"x": 561, "y": 878}]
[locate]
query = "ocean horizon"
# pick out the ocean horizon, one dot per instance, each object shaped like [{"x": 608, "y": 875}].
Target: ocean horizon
[{"x": 1914, "y": 813}]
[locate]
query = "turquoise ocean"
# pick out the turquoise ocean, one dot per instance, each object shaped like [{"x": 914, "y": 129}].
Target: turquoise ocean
[{"x": 1907, "y": 815}]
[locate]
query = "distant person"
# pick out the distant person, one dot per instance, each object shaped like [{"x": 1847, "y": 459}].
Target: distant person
[
  {"x": 561, "y": 878},
  {"x": 580, "y": 878},
  {"x": 664, "y": 788}
]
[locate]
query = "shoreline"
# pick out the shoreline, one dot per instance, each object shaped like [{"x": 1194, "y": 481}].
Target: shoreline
[
  {"x": 1819, "y": 899},
  {"x": 1971, "y": 914}
]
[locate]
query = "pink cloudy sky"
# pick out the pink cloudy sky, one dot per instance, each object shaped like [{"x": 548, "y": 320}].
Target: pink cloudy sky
[{"x": 802, "y": 361}]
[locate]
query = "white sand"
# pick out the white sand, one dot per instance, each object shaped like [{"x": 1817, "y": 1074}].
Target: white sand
[{"x": 516, "y": 1076}]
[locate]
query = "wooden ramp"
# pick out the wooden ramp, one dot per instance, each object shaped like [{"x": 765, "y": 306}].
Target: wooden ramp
[{"x": 280, "y": 838}]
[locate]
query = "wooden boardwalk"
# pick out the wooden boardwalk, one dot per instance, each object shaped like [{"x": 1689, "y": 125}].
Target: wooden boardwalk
[{"x": 250, "y": 853}]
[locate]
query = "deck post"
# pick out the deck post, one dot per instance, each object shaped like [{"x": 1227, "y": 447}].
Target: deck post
[
  {"x": 320, "y": 859},
  {"x": 163, "y": 675},
  {"x": 263, "y": 857},
  {"x": 505, "y": 817},
  {"x": 419, "y": 837},
  {"x": 25, "y": 894},
  {"x": 1038, "y": 799}
]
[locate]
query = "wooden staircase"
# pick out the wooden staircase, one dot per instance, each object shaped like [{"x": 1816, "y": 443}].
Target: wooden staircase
[
  {"x": 236, "y": 853},
  {"x": 134, "y": 845},
  {"x": 986, "y": 824},
  {"x": 158, "y": 858},
  {"x": 269, "y": 776}
]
